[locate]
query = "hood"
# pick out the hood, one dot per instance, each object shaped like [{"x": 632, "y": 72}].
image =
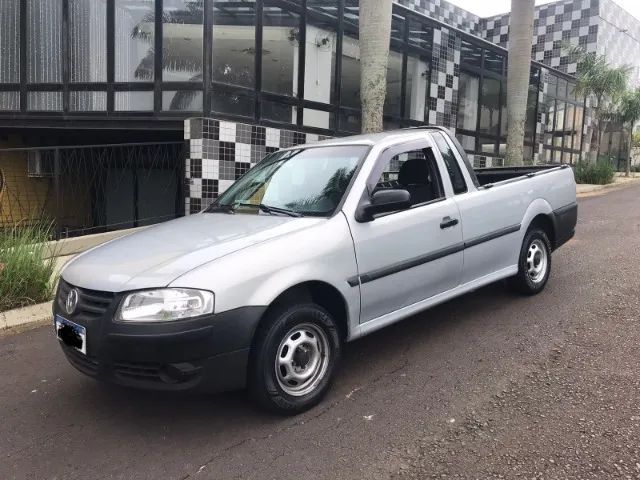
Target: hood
[{"x": 156, "y": 256}]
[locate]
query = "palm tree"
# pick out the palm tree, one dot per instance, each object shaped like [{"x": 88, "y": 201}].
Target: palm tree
[
  {"x": 375, "y": 34},
  {"x": 171, "y": 60},
  {"x": 519, "y": 69},
  {"x": 597, "y": 78},
  {"x": 629, "y": 114}
]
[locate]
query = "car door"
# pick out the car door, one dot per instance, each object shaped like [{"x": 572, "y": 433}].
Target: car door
[
  {"x": 490, "y": 217},
  {"x": 410, "y": 255}
]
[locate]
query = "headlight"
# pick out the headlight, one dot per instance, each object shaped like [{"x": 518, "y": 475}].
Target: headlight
[{"x": 165, "y": 305}]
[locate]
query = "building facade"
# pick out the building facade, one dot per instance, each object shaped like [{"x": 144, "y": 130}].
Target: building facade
[{"x": 239, "y": 78}]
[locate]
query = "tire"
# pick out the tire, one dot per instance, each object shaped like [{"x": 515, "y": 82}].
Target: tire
[
  {"x": 534, "y": 263},
  {"x": 296, "y": 352}
]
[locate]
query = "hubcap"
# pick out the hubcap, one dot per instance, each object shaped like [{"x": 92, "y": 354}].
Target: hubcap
[
  {"x": 302, "y": 360},
  {"x": 537, "y": 261}
]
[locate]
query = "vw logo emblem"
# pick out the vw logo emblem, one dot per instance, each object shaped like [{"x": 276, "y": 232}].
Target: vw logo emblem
[{"x": 72, "y": 301}]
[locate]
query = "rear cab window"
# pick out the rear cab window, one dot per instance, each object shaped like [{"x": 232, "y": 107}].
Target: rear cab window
[{"x": 453, "y": 168}]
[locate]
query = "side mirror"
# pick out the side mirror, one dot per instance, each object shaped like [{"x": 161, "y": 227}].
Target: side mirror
[{"x": 383, "y": 201}]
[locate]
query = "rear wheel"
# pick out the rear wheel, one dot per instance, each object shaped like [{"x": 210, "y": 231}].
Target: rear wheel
[
  {"x": 534, "y": 265},
  {"x": 296, "y": 351}
]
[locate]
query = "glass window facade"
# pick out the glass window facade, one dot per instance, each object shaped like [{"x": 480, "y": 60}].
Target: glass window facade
[
  {"x": 292, "y": 64},
  {"x": 564, "y": 121}
]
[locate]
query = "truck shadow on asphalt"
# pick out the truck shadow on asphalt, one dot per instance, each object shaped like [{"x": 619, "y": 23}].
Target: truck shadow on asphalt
[{"x": 456, "y": 322}]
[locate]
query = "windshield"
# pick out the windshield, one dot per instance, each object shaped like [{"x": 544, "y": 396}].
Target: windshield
[{"x": 309, "y": 181}]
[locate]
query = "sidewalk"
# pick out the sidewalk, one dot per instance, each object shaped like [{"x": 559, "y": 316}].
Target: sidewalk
[
  {"x": 619, "y": 181},
  {"x": 34, "y": 315}
]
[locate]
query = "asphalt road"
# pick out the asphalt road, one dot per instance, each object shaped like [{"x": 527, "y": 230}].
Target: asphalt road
[{"x": 487, "y": 385}]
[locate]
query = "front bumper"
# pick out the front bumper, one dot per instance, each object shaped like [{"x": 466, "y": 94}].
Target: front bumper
[{"x": 208, "y": 353}]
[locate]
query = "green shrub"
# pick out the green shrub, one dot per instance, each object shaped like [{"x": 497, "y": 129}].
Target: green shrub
[
  {"x": 25, "y": 271},
  {"x": 599, "y": 173}
]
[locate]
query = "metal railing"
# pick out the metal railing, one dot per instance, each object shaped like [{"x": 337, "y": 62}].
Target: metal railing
[{"x": 86, "y": 189}]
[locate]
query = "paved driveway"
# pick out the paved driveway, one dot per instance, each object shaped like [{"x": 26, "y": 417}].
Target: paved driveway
[{"x": 489, "y": 384}]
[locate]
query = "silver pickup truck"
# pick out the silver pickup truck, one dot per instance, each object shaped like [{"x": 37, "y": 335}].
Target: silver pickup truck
[{"x": 316, "y": 246}]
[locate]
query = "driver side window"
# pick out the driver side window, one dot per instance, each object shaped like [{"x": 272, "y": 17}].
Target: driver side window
[{"x": 415, "y": 171}]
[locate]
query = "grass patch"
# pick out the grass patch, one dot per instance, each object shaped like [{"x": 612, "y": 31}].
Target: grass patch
[
  {"x": 25, "y": 272},
  {"x": 599, "y": 173}
]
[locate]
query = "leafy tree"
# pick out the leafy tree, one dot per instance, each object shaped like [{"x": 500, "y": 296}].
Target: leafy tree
[
  {"x": 629, "y": 115},
  {"x": 597, "y": 78}
]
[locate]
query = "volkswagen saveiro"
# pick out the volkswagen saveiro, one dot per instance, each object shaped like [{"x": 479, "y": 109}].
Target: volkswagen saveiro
[{"x": 315, "y": 246}]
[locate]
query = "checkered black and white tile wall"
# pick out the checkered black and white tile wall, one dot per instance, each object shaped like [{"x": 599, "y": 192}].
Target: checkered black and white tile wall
[
  {"x": 570, "y": 21},
  {"x": 445, "y": 73},
  {"x": 221, "y": 151},
  {"x": 445, "y": 12}
]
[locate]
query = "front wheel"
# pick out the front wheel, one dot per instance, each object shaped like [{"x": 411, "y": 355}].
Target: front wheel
[
  {"x": 534, "y": 264},
  {"x": 295, "y": 354}
]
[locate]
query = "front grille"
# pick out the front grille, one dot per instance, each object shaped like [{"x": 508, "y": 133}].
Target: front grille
[
  {"x": 150, "y": 372},
  {"x": 92, "y": 304}
]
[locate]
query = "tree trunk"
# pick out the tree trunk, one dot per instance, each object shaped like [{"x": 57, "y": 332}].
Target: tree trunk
[
  {"x": 520, "y": 35},
  {"x": 627, "y": 172},
  {"x": 375, "y": 33},
  {"x": 595, "y": 146}
]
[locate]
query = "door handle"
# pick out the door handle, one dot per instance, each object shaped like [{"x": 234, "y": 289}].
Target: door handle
[{"x": 448, "y": 222}]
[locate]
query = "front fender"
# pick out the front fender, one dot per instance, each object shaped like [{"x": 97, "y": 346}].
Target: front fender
[{"x": 257, "y": 275}]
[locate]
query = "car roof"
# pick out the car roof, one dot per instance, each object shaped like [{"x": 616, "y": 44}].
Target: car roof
[{"x": 389, "y": 137}]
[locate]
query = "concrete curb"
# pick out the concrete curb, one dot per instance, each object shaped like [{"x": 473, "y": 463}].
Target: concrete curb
[
  {"x": 586, "y": 190},
  {"x": 75, "y": 245},
  {"x": 32, "y": 315}
]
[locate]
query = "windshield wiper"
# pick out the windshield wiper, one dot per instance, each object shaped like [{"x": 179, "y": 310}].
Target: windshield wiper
[
  {"x": 270, "y": 209},
  {"x": 221, "y": 207}
]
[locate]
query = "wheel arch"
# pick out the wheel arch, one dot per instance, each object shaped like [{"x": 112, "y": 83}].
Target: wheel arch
[
  {"x": 540, "y": 214},
  {"x": 316, "y": 291}
]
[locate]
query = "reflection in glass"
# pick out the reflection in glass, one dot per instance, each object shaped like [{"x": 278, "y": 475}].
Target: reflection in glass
[
  {"x": 578, "y": 125},
  {"x": 9, "y": 44},
  {"x": 233, "y": 103},
  {"x": 487, "y": 145},
  {"x": 234, "y": 42},
  {"x": 182, "y": 40},
  {"x": 350, "y": 121},
  {"x": 320, "y": 59},
  {"x": 470, "y": 55},
  {"x": 88, "y": 40},
  {"x": 278, "y": 112},
  {"x": 308, "y": 181},
  {"x": 490, "y": 103},
  {"x": 420, "y": 34},
  {"x": 87, "y": 101},
  {"x": 397, "y": 27},
  {"x": 280, "y": 43},
  {"x": 44, "y": 43},
  {"x": 134, "y": 101},
  {"x": 468, "y": 101},
  {"x": 134, "y": 37},
  {"x": 493, "y": 61},
  {"x": 568, "y": 126},
  {"x": 44, "y": 101},
  {"x": 9, "y": 101},
  {"x": 350, "y": 72},
  {"x": 393, "y": 98},
  {"x": 416, "y": 92},
  {"x": 352, "y": 12},
  {"x": 315, "y": 118},
  {"x": 530, "y": 121},
  {"x": 182, "y": 100}
]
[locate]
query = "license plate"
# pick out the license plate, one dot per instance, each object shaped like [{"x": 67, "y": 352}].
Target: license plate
[{"x": 71, "y": 334}]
